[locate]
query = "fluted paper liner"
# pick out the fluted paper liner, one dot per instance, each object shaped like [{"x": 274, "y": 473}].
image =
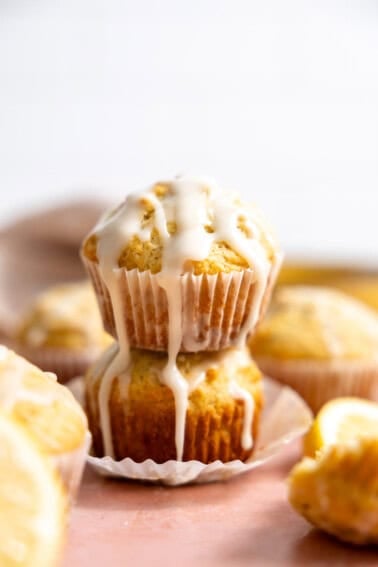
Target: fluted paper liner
[
  {"x": 215, "y": 307},
  {"x": 321, "y": 381},
  {"x": 284, "y": 418},
  {"x": 70, "y": 466}
]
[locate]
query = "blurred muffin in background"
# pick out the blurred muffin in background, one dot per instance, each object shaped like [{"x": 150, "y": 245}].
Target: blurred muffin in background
[
  {"x": 364, "y": 288},
  {"x": 320, "y": 342},
  {"x": 361, "y": 284},
  {"x": 62, "y": 331},
  {"x": 48, "y": 411}
]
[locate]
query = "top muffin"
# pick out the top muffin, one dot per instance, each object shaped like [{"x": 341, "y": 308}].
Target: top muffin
[
  {"x": 167, "y": 217},
  {"x": 182, "y": 255}
]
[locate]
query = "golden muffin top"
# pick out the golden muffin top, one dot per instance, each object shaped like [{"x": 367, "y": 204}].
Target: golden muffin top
[
  {"x": 35, "y": 399},
  {"x": 305, "y": 322},
  {"x": 64, "y": 316},
  {"x": 185, "y": 225}
]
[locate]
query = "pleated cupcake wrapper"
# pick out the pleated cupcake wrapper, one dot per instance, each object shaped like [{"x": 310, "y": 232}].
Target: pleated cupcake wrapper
[
  {"x": 319, "y": 382},
  {"x": 70, "y": 466},
  {"x": 285, "y": 417},
  {"x": 65, "y": 363},
  {"x": 203, "y": 439},
  {"x": 215, "y": 307}
]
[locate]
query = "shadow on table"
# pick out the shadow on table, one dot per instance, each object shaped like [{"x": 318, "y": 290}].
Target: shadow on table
[
  {"x": 324, "y": 549},
  {"x": 118, "y": 494}
]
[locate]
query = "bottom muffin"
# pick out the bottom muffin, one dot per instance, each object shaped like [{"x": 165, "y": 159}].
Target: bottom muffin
[{"x": 139, "y": 411}]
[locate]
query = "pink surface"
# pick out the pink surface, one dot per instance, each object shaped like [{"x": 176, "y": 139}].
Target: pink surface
[{"x": 246, "y": 521}]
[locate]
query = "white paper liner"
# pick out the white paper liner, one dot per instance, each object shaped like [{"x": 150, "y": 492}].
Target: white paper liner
[
  {"x": 321, "y": 381},
  {"x": 71, "y": 465},
  {"x": 215, "y": 306},
  {"x": 284, "y": 418}
]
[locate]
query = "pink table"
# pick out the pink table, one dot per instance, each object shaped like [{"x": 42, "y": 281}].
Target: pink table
[{"x": 246, "y": 521}]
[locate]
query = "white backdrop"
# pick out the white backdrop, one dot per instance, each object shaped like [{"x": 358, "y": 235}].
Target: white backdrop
[{"x": 278, "y": 99}]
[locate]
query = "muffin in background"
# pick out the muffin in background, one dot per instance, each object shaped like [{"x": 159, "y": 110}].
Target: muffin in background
[
  {"x": 364, "y": 288},
  {"x": 320, "y": 342},
  {"x": 62, "y": 331},
  {"x": 48, "y": 411},
  {"x": 182, "y": 250},
  {"x": 134, "y": 414},
  {"x": 360, "y": 283}
]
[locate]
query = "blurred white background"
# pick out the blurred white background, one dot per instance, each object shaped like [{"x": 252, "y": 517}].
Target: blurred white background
[{"x": 278, "y": 99}]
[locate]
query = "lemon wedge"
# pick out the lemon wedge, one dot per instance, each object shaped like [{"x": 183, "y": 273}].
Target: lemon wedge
[
  {"x": 338, "y": 490},
  {"x": 32, "y": 501},
  {"x": 340, "y": 421}
]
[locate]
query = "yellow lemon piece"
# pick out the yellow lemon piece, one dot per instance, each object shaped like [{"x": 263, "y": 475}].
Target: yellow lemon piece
[
  {"x": 338, "y": 491},
  {"x": 32, "y": 502},
  {"x": 340, "y": 421},
  {"x": 35, "y": 399}
]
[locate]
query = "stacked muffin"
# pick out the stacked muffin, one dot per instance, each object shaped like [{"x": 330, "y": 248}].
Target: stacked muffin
[{"x": 182, "y": 272}]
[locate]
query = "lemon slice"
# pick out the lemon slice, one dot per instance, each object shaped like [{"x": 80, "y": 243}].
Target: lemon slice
[
  {"x": 338, "y": 490},
  {"x": 340, "y": 421},
  {"x": 47, "y": 409},
  {"x": 32, "y": 503}
]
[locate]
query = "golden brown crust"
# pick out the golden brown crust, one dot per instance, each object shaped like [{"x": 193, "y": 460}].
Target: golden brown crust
[
  {"x": 146, "y": 254},
  {"x": 143, "y": 425}
]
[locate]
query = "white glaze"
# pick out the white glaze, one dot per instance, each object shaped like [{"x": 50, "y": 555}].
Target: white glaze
[
  {"x": 191, "y": 204},
  {"x": 237, "y": 359},
  {"x": 240, "y": 393}
]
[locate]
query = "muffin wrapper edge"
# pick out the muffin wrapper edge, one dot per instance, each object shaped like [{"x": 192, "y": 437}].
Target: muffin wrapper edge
[
  {"x": 70, "y": 466},
  {"x": 284, "y": 418},
  {"x": 215, "y": 307},
  {"x": 318, "y": 382}
]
